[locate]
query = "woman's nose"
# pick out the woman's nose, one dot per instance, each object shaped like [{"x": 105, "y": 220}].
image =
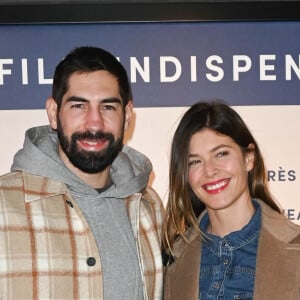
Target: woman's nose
[{"x": 210, "y": 168}]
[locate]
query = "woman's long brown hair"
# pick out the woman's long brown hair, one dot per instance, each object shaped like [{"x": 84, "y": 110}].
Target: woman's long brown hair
[{"x": 183, "y": 207}]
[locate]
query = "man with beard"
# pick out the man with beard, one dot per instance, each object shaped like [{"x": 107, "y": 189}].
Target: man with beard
[{"x": 77, "y": 219}]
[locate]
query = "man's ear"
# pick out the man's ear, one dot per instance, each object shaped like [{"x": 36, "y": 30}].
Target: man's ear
[
  {"x": 128, "y": 114},
  {"x": 51, "y": 107},
  {"x": 250, "y": 157}
]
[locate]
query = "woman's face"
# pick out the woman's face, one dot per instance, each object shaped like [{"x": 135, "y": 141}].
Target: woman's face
[{"x": 218, "y": 170}]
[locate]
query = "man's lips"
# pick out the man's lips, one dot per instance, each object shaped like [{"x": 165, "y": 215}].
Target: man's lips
[
  {"x": 92, "y": 144},
  {"x": 217, "y": 186}
]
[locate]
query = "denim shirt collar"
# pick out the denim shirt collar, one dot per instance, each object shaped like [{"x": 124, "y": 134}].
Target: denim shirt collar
[{"x": 236, "y": 239}]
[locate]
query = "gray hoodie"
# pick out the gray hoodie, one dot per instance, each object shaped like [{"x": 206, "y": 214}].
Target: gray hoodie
[
  {"x": 129, "y": 172},
  {"x": 105, "y": 212}
]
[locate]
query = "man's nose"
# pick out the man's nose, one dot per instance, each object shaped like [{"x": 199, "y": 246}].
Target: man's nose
[{"x": 94, "y": 120}]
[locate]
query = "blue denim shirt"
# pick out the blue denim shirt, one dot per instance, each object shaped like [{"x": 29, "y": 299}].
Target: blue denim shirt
[{"x": 228, "y": 264}]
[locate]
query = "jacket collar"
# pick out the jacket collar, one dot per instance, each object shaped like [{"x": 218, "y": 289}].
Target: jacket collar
[
  {"x": 272, "y": 224},
  {"x": 277, "y": 226},
  {"x": 37, "y": 187}
]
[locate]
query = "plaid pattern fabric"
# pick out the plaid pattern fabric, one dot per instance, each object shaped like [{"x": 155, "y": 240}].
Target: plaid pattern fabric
[
  {"x": 47, "y": 250},
  {"x": 146, "y": 220}
]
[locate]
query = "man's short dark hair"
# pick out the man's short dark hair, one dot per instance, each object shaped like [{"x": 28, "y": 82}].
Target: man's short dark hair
[{"x": 88, "y": 59}]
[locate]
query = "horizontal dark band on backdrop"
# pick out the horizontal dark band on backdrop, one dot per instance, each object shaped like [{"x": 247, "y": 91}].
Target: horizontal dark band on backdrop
[{"x": 151, "y": 11}]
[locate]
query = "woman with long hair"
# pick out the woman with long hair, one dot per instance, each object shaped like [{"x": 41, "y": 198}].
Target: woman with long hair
[{"x": 225, "y": 236}]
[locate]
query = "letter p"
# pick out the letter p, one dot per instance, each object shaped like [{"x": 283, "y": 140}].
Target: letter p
[{"x": 241, "y": 63}]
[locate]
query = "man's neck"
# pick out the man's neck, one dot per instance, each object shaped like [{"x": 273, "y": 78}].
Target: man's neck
[{"x": 96, "y": 181}]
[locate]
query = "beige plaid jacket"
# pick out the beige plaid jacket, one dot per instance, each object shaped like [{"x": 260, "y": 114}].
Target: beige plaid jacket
[{"x": 47, "y": 250}]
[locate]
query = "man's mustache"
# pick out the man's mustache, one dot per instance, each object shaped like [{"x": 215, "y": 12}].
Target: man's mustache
[{"x": 99, "y": 135}]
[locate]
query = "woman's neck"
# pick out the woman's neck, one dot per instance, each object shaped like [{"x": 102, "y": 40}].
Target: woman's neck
[{"x": 225, "y": 221}]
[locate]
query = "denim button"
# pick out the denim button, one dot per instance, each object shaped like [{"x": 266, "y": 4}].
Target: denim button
[
  {"x": 91, "y": 261},
  {"x": 216, "y": 285},
  {"x": 225, "y": 262}
]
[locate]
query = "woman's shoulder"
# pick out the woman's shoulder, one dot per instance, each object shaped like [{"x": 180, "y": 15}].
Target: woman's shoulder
[{"x": 279, "y": 225}]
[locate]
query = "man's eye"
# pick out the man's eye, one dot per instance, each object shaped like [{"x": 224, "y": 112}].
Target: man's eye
[
  {"x": 77, "y": 105},
  {"x": 109, "y": 107}
]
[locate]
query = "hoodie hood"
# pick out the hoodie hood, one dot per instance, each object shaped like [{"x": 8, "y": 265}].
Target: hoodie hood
[{"x": 39, "y": 156}]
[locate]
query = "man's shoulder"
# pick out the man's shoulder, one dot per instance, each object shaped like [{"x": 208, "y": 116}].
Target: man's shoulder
[
  {"x": 151, "y": 195},
  {"x": 153, "y": 203},
  {"x": 22, "y": 184},
  {"x": 148, "y": 201},
  {"x": 21, "y": 178},
  {"x": 11, "y": 179}
]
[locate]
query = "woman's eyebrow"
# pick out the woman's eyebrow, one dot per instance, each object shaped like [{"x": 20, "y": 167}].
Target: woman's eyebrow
[
  {"x": 218, "y": 147},
  {"x": 212, "y": 150}
]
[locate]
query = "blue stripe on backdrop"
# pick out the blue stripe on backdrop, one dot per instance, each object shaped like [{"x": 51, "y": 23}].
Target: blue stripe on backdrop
[{"x": 169, "y": 64}]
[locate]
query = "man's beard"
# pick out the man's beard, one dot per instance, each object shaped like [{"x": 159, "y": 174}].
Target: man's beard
[{"x": 89, "y": 161}]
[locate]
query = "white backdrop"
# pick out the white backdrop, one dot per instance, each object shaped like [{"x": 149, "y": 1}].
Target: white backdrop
[{"x": 276, "y": 129}]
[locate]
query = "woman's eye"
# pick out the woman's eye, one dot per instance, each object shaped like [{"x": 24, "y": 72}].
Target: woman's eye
[
  {"x": 194, "y": 162},
  {"x": 222, "y": 153}
]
